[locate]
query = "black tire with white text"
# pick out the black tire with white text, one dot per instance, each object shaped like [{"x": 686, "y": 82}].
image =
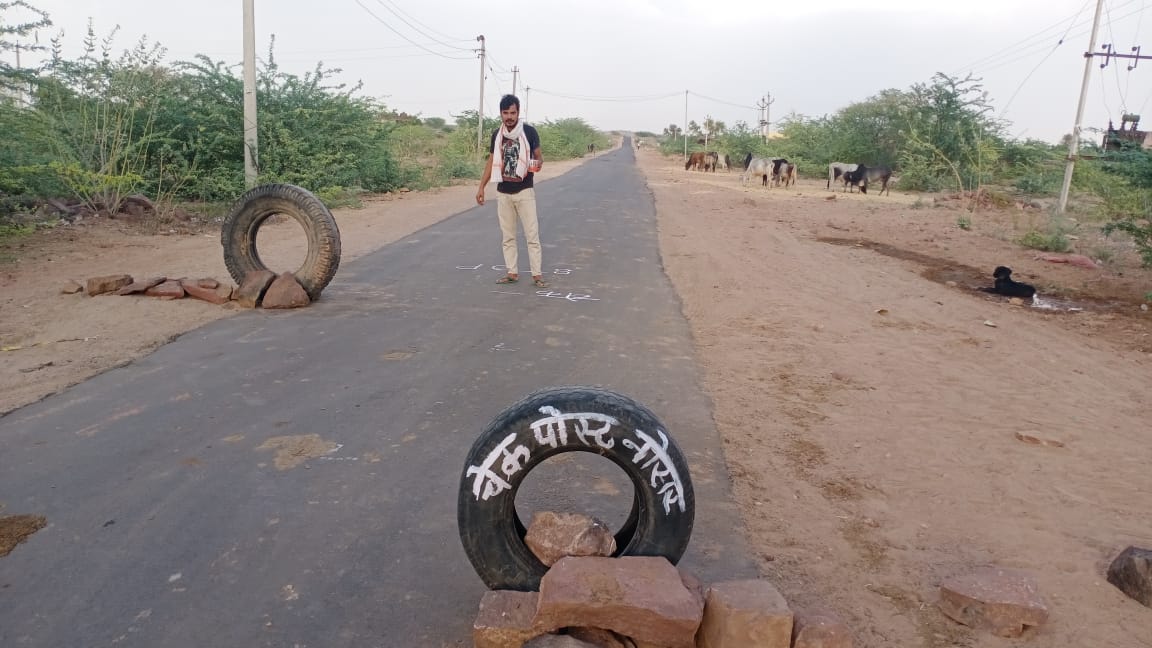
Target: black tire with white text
[
  {"x": 571, "y": 419},
  {"x": 238, "y": 235}
]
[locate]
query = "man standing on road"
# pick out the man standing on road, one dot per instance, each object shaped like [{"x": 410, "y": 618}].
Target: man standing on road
[{"x": 516, "y": 157}]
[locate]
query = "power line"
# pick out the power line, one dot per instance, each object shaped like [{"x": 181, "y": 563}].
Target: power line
[
  {"x": 721, "y": 101},
  {"x": 1042, "y": 61},
  {"x": 393, "y": 30},
  {"x": 1026, "y": 42},
  {"x": 418, "y": 30},
  {"x": 633, "y": 98},
  {"x": 1036, "y": 50},
  {"x": 439, "y": 33},
  {"x": 497, "y": 63}
]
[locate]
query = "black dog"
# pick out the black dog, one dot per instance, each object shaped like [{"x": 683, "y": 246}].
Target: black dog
[{"x": 1007, "y": 287}]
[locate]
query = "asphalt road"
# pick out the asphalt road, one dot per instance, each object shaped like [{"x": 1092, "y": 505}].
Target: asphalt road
[{"x": 178, "y": 516}]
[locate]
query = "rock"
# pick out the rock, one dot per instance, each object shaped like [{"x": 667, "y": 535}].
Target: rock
[
  {"x": 1016, "y": 301},
  {"x": 100, "y": 285},
  {"x": 141, "y": 286},
  {"x": 181, "y": 214},
  {"x": 168, "y": 290},
  {"x": 1033, "y": 440},
  {"x": 1131, "y": 572},
  {"x": 599, "y": 638},
  {"x": 642, "y": 597},
  {"x": 285, "y": 292},
  {"x": 207, "y": 283},
  {"x": 819, "y": 629},
  {"x": 745, "y": 613},
  {"x": 1144, "y": 307},
  {"x": 1003, "y": 601},
  {"x": 226, "y": 292},
  {"x": 989, "y": 323},
  {"x": 951, "y": 284},
  {"x": 252, "y": 289},
  {"x": 71, "y": 288},
  {"x": 505, "y": 619},
  {"x": 559, "y": 641},
  {"x": 552, "y": 536},
  {"x": 137, "y": 207},
  {"x": 194, "y": 289}
]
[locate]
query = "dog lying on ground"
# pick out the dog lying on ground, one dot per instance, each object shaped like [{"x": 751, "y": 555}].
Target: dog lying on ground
[{"x": 1009, "y": 288}]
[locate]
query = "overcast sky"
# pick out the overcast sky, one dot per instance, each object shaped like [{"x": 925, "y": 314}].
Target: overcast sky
[{"x": 639, "y": 56}]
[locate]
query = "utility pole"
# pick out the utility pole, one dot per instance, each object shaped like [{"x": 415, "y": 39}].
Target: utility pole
[
  {"x": 765, "y": 102},
  {"x": 527, "y": 96},
  {"x": 1074, "y": 144},
  {"x": 480, "y": 114},
  {"x": 251, "y": 159},
  {"x": 685, "y": 125},
  {"x": 515, "y": 74}
]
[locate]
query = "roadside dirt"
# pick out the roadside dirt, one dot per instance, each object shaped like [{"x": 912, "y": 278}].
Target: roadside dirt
[
  {"x": 53, "y": 340},
  {"x": 883, "y": 435}
]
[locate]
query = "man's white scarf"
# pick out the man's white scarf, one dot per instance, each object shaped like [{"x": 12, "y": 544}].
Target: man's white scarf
[{"x": 517, "y": 133}]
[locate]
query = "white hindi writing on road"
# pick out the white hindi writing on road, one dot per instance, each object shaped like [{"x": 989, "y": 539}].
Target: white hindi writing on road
[{"x": 572, "y": 297}]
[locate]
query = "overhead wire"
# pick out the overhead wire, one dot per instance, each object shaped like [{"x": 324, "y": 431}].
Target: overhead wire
[
  {"x": 1024, "y": 42},
  {"x": 624, "y": 98},
  {"x": 1116, "y": 68},
  {"x": 1012, "y": 54},
  {"x": 721, "y": 101},
  {"x": 429, "y": 28},
  {"x": 1034, "y": 50},
  {"x": 394, "y": 12},
  {"x": 395, "y": 31},
  {"x": 1043, "y": 60}
]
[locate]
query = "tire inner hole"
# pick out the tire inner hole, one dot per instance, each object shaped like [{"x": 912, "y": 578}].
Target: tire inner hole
[
  {"x": 579, "y": 482},
  {"x": 282, "y": 244}
]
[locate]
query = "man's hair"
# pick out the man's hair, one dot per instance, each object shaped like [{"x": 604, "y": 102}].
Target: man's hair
[{"x": 509, "y": 100}]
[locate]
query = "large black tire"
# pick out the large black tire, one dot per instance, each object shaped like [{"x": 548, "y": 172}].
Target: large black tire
[
  {"x": 517, "y": 440},
  {"x": 238, "y": 235}
]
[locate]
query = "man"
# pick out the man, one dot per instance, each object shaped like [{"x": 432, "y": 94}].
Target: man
[{"x": 516, "y": 157}]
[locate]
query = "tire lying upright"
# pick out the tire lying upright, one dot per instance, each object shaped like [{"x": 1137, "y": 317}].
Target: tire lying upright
[
  {"x": 571, "y": 419},
  {"x": 238, "y": 235}
]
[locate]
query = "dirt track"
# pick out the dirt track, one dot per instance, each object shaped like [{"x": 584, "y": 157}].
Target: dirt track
[{"x": 870, "y": 415}]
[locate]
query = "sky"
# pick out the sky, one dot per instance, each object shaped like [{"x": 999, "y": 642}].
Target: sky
[{"x": 627, "y": 64}]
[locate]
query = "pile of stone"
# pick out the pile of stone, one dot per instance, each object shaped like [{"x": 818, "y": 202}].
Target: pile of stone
[
  {"x": 260, "y": 289},
  {"x": 588, "y": 599}
]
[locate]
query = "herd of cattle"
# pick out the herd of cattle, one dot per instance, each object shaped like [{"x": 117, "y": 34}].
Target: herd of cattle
[{"x": 777, "y": 172}]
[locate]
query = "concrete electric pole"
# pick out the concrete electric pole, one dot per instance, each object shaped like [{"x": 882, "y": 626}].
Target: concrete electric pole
[
  {"x": 251, "y": 159},
  {"x": 480, "y": 114},
  {"x": 515, "y": 75},
  {"x": 1074, "y": 144}
]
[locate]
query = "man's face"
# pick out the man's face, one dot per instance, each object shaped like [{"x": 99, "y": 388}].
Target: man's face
[{"x": 510, "y": 116}]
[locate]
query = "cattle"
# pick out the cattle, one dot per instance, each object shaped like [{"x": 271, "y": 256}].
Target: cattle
[
  {"x": 836, "y": 172},
  {"x": 756, "y": 167},
  {"x": 864, "y": 175},
  {"x": 724, "y": 162},
  {"x": 695, "y": 161},
  {"x": 711, "y": 160},
  {"x": 591, "y": 148},
  {"x": 747, "y": 161},
  {"x": 783, "y": 172}
]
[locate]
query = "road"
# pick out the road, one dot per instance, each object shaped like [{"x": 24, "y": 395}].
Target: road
[{"x": 290, "y": 478}]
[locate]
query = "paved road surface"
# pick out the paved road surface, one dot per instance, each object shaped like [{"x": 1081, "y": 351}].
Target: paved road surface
[{"x": 171, "y": 524}]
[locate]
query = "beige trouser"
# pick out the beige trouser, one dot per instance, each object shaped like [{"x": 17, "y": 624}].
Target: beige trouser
[{"x": 519, "y": 206}]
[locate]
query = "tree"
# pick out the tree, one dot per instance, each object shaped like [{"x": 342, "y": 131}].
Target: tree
[
  {"x": 672, "y": 131},
  {"x": 18, "y": 19},
  {"x": 694, "y": 128}
]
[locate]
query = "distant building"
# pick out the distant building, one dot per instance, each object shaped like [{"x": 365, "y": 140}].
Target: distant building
[{"x": 1128, "y": 134}]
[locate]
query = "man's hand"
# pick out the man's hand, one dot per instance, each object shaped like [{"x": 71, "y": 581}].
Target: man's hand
[{"x": 480, "y": 196}]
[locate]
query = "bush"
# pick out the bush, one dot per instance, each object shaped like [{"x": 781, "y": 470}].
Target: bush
[{"x": 1055, "y": 240}]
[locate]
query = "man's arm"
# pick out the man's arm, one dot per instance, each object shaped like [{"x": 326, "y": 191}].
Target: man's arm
[{"x": 485, "y": 178}]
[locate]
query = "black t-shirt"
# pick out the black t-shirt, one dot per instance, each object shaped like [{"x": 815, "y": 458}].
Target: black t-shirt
[{"x": 533, "y": 144}]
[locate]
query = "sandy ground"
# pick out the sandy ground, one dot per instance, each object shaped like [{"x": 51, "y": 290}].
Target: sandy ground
[
  {"x": 53, "y": 341},
  {"x": 868, "y": 412}
]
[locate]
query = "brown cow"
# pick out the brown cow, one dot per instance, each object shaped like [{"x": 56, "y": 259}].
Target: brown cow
[{"x": 696, "y": 161}]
